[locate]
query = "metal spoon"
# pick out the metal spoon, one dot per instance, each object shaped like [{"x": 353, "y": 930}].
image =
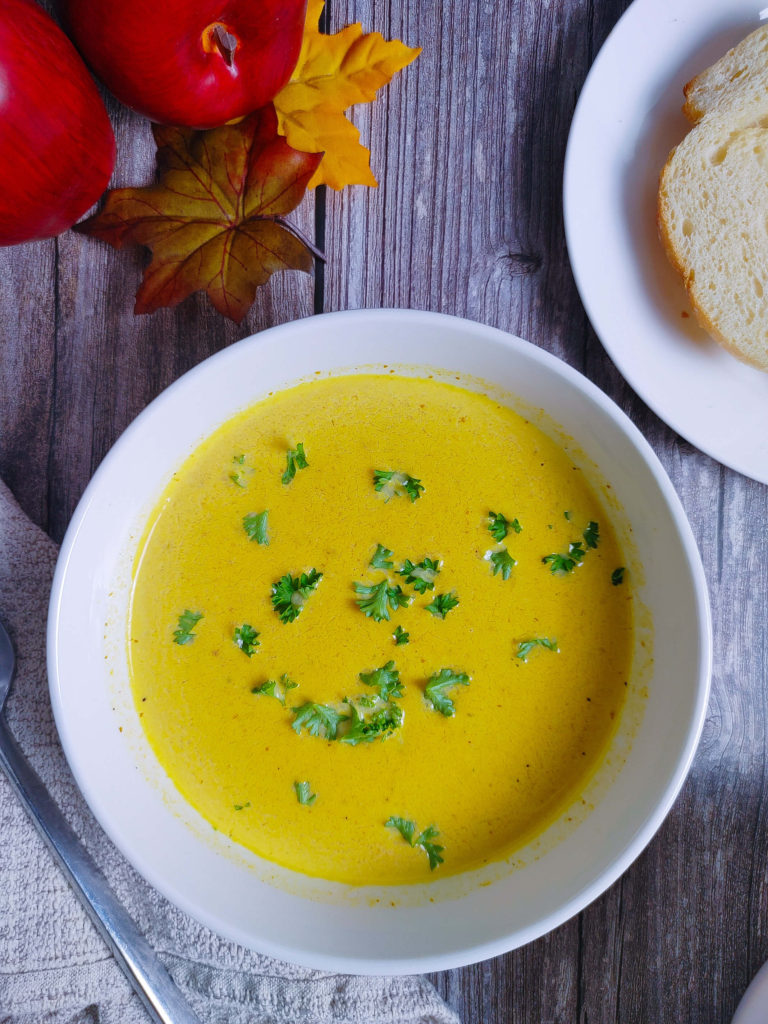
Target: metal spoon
[{"x": 152, "y": 983}]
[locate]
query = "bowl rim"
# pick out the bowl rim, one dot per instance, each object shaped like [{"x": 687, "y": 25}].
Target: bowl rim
[{"x": 645, "y": 830}]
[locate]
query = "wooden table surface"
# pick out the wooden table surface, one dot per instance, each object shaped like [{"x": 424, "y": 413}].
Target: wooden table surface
[{"x": 468, "y": 145}]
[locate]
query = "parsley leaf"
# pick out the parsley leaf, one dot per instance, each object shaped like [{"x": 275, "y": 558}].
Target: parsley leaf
[
  {"x": 289, "y": 593},
  {"x": 255, "y": 525},
  {"x": 318, "y": 719},
  {"x": 401, "y": 637},
  {"x": 304, "y": 793},
  {"x": 592, "y": 535},
  {"x": 560, "y": 564},
  {"x": 187, "y": 622},
  {"x": 576, "y": 550},
  {"x": 525, "y": 647},
  {"x": 277, "y": 689},
  {"x": 238, "y": 476},
  {"x": 406, "y": 828},
  {"x": 246, "y": 638},
  {"x": 617, "y": 576},
  {"x": 382, "y": 558},
  {"x": 442, "y": 604},
  {"x": 425, "y": 839},
  {"x": 391, "y": 483},
  {"x": 499, "y": 526},
  {"x": 438, "y": 683},
  {"x": 375, "y": 601},
  {"x": 376, "y": 726},
  {"x": 420, "y": 575},
  {"x": 295, "y": 459},
  {"x": 502, "y": 562},
  {"x": 386, "y": 680}
]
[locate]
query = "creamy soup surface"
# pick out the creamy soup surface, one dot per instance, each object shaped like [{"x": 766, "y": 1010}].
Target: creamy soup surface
[{"x": 504, "y": 659}]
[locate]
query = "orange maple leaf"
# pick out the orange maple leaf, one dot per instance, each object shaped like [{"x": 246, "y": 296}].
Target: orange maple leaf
[
  {"x": 333, "y": 73},
  {"x": 214, "y": 219}
]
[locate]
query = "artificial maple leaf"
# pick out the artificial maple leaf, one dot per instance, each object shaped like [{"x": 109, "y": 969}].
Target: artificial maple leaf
[
  {"x": 333, "y": 73},
  {"x": 213, "y": 220}
]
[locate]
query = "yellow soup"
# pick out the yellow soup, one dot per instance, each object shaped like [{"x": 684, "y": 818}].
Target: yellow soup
[{"x": 444, "y": 678}]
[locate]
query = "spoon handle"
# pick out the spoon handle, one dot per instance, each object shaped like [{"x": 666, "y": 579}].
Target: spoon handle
[{"x": 152, "y": 983}]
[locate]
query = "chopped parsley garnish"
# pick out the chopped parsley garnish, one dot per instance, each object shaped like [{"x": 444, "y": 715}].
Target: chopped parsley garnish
[
  {"x": 375, "y": 601},
  {"x": 278, "y": 689},
  {"x": 424, "y": 840},
  {"x": 318, "y": 719},
  {"x": 290, "y": 593},
  {"x": 255, "y": 525},
  {"x": 502, "y": 562},
  {"x": 592, "y": 535},
  {"x": 246, "y": 638},
  {"x": 382, "y": 558},
  {"x": 567, "y": 515},
  {"x": 525, "y": 647},
  {"x": 438, "y": 683},
  {"x": 420, "y": 575},
  {"x": 241, "y": 807},
  {"x": 391, "y": 483},
  {"x": 238, "y": 476},
  {"x": 617, "y": 576},
  {"x": 499, "y": 526},
  {"x": 295, "y": 459},
  {"x": 187, "y": 622},
  {"x": 401, "y": 637},
  {"x": 304, "y": 793},
  {"x": 386, "y": 680},
  {"x": 377, "y": 726},
  {"x": 442, "y": 604},
  {"x": 560, "y": 564}
]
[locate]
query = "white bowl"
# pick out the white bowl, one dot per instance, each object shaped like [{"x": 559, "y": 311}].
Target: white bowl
[{"x": 451, "y": 921}]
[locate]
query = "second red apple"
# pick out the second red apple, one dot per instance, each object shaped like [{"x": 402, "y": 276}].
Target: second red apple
[{"x": 197, "y": 63}]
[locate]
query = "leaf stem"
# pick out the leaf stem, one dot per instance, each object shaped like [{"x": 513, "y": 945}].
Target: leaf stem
[{"x": 317, "y": 253}]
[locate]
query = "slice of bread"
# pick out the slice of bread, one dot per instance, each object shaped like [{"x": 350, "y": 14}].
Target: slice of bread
[
  {"x": 732, "y": 82},
  {"x": 713, "y": 200}
]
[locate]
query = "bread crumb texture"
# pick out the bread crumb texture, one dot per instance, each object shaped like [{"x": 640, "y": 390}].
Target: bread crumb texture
[{"x": 713, "y": 200}]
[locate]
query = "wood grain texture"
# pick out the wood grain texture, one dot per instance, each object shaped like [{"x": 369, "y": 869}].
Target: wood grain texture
[
  {"x": 468, "y": 220},
  {"x": 468, "y": 145}
]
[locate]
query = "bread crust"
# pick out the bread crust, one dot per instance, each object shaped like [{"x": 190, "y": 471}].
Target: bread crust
[
  {"x": 731, "y": 80},
  {"x": 711, "y": 234}
]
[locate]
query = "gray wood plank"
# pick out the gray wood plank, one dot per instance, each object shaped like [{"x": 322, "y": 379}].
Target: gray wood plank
[
  {"x": 467, "y": 220},
  {"x": 27, "y": 333}
]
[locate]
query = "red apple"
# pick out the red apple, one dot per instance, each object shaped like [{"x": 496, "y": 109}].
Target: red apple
[
  {"x": 57, "y": 149},
  {"x": 197, "y": 63}
]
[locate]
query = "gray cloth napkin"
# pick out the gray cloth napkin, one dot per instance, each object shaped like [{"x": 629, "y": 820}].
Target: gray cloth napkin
[{"x": 54, "y": 968}]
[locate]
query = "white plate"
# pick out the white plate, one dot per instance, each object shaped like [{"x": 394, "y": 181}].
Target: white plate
[
  {"x": 447, "y": 921},
  {"x": 753, "y": 1008},
  {"x": 627, "y": 120}
]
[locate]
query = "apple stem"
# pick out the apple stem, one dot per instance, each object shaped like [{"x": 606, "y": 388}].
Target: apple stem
[
  {"x": 317, "y": 253},
  {"x": 226, "y": 44}
]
